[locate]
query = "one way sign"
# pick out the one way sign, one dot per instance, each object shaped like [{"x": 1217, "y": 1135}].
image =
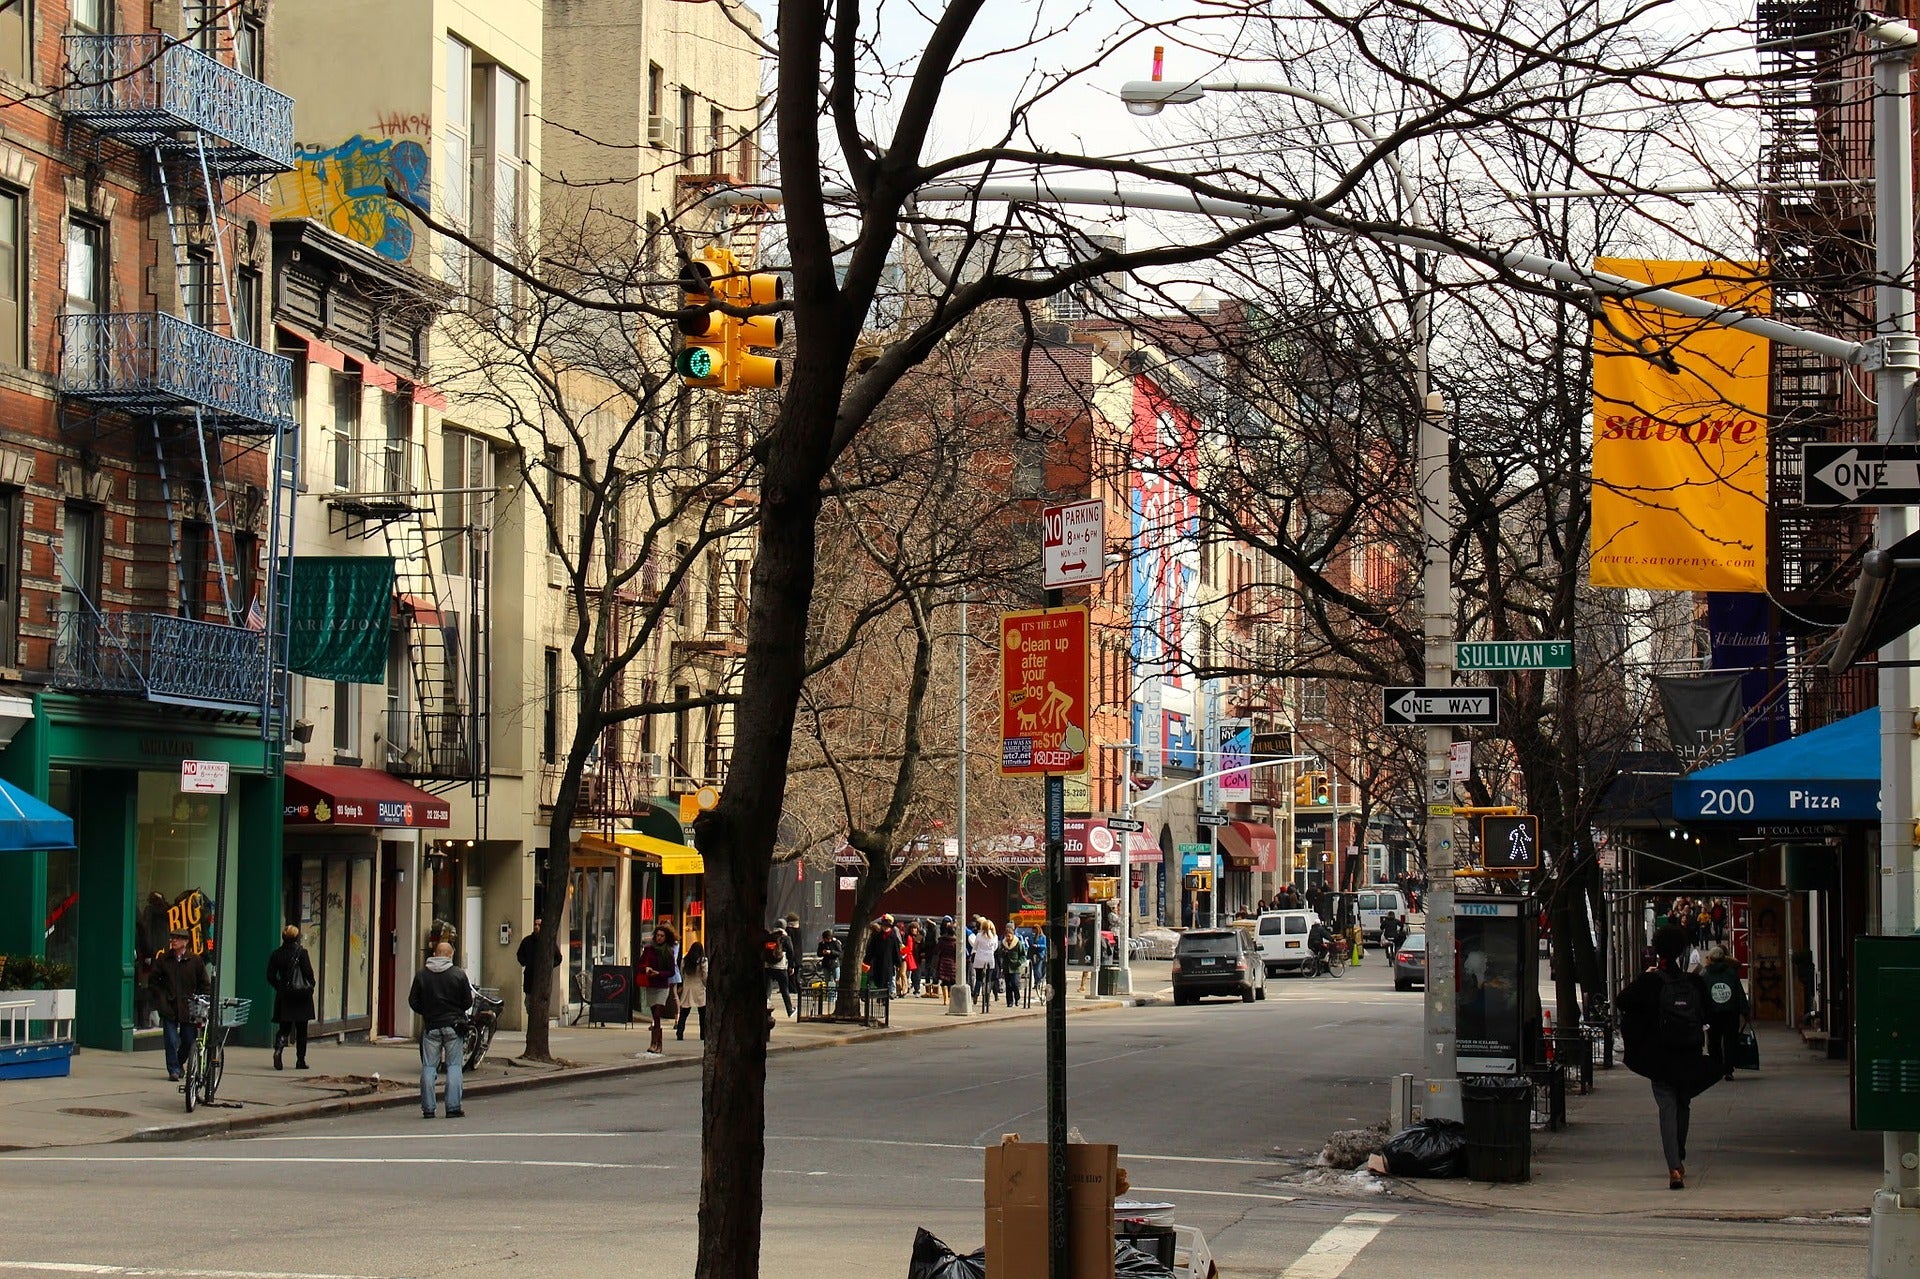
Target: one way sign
[
  {"x": 1443, "y": 706},
  {"x": 1860, "y": 475}
]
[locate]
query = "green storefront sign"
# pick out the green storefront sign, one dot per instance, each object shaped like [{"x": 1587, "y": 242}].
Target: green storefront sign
[
  {"x": 1514, "y": 655},
  {"x": 340, "y": 617}
]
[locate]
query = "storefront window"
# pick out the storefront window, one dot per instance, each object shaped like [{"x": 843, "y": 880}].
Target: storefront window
[
  {"x": 63, "y": 881},
  {"x": 595, "y": 903},
  {"x": 333, "y": 904},
  {"x": 180, "y": 854}
]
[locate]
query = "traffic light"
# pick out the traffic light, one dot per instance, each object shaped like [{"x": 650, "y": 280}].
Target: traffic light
[
  {"x": 1303, "y": 791},
  {"x": 751, "y": 334},
  {"x": 702, "y": 358},
  {"x": 1322, "y": 792},
  {"x": 1510, "y": 843}
]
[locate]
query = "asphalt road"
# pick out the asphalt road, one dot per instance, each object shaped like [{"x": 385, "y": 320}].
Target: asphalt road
[{"x": 1216, "y": 1108}]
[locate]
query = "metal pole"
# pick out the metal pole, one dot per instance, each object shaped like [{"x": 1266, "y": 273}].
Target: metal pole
[
  {"x": 1894, "y": 1242},
  {"x": 1123, "y": 931},
  {"x": 1209, "y": 805},
  {"x": 1058, "y": 1257},
  {"x": 960, "y": 1002}
]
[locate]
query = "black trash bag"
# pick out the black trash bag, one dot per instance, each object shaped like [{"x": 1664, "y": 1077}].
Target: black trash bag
[
  {"x": 1431, "y": 1148},
  {"x": 1130, "y": 1262},
  {"x": 934, "y": 1260}
]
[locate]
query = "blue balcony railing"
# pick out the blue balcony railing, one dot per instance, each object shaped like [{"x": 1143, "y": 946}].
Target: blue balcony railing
[
  {"x": 160, "y": 657},
  {"x": 151, "y": 90},
  {"x": 156, "y": 362}
]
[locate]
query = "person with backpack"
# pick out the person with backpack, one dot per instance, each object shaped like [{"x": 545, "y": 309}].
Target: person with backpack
[
  {"x": 1663, "y": 1021},
  {"x": 1727, "y": 1008}
]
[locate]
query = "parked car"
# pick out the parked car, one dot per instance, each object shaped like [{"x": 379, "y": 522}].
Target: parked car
[
  {"x": 1410, "y": 962},
  {"x": 1374, "y": 904},
  {"x": 1282, "y": 939},
  {"x": 1217, "y": 961}
]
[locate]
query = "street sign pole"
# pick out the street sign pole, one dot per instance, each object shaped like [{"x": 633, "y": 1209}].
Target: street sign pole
[
  {"x": 1058, "y": 1257},
  {"x": 1436, "y": 607}
]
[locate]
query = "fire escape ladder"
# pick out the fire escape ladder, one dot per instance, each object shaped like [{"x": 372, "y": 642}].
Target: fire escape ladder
[{"x": 430, "y": 742}]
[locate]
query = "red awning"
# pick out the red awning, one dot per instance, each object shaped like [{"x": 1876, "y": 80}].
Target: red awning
[
  {"x": 427, "y": 395},
  {"x": 334, "y": 795},
  {"x": 379, "y": 377},
  {"x": 1250, "y": 846},
  {"x": 422, "y": 612},
  {"x": 317, "y": 351}
]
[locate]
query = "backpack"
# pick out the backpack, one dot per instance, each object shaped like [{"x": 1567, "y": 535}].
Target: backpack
[{"x": 1682, "y": 1021}]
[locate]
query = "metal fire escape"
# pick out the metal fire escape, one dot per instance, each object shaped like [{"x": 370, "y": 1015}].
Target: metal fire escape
[
  {"x": 1816, "y": 100},
  {"x": 438, "y": 734},
  {"x": 190, "y": 391}
]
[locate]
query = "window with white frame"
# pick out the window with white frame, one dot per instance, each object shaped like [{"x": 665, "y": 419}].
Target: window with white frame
[{"x": 454, "y": 195}]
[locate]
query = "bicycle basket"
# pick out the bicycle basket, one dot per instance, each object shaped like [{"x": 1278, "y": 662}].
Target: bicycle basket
[
  {"x": 198, "y": 1007},
  {"x": 234, "y": 1012}
]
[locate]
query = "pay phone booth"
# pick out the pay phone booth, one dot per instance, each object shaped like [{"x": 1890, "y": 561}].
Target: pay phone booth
[{"x": 1497, "y": 980}]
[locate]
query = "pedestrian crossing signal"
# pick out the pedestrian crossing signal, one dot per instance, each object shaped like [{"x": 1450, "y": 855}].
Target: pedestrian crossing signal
[{"x": 1510, "y": 843}]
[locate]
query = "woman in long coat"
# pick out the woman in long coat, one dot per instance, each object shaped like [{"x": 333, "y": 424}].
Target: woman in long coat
[
  {"x": 290, "y": 973},
  {"x": 693, "y": 990}
]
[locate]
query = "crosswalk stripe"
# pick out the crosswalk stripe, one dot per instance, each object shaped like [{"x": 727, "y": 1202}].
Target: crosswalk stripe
[{"x": 1334, "y": 1251}]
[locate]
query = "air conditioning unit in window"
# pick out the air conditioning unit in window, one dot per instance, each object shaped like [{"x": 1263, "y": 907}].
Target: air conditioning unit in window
[
  {"x": 653, "y": 764},
  {"x": 659, "y": 131}
]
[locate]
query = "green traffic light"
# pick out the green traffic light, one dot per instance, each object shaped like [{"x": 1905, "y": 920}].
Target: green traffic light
[{"x": 696, "y": 361}]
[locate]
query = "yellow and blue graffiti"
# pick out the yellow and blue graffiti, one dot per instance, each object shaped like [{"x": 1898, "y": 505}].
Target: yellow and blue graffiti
[{"x": 345, "y": 187}]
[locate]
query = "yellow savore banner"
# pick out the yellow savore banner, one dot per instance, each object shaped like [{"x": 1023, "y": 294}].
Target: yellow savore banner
[{"x": 1680, "y": 435}]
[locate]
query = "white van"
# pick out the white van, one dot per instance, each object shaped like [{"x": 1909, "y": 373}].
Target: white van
[
  {"x": 1281, "y": 936},
  {"x": 1374, "y": 904}
]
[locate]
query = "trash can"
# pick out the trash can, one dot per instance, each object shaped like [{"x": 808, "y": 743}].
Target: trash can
[
  {"x": 1498, "y": 1111},
  {"x": 1109, "y": 980}
]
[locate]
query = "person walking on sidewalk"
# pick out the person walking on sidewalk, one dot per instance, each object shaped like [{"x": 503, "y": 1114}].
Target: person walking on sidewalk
[
  {"x": 985, "y": 945},
  {"x": 794, "y": 942},
  {"x": 1727, "y": 1008},
  {"x": 176, "y": 978},
  {"x": 290, "y": 973},
  {"x": 1010, "y": 958},
  {"x": 442, "y": 995},
  {"x": 829, "y": 952},
  {"x": 693, "y": 990},
  {"x": 946, "y": 960},
  {"x": 882, "y": 958},
  {"x": 773, "y": 956},
  {"x": 1663, "y": 1021},
  {"x": 658, "y": 968}
]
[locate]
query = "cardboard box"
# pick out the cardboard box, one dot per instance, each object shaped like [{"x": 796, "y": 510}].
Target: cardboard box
[{"x": 1017, "y": 1209}]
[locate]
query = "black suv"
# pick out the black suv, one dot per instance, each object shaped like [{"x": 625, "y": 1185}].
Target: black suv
[{"x": 1218, "y": 961}]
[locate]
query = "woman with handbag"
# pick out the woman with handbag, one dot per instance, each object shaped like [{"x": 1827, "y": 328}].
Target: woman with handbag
[
  {"x": 659, "y": 968},
  {"x": 693, "y": 990},
  {"x": 290, "y": 973}
]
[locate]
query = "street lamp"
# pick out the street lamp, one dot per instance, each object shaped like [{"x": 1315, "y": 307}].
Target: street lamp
[{"x": 1147, "y": 97}]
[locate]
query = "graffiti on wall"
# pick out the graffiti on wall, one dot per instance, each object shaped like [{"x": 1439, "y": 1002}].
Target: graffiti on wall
[{"x": 346, "y": 187}]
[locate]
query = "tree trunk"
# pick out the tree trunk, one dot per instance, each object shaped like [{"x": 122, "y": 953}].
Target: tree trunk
[{"x": 866, "y": 900}]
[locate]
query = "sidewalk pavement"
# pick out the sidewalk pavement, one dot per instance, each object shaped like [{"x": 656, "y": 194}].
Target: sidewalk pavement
[
  {"x": 1765, "y": 1145},
  {"x": 114, "y": 1096}
]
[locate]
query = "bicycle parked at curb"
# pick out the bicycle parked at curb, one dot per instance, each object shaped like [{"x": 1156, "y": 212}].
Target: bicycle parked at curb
[{"x": 205, "y": 1060}]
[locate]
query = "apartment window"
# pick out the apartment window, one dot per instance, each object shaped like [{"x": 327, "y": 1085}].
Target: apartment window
[
  {"x": 91, "y": 15},
  {"x": 717, "y": 139},
  {"x": 556, "y": 464},
  {"x": 550, "y": 707},
  {"x": 246, "y": 305},
  {"x": 398, "y": 443},
  {"x": 467, "y": 479},
  {"x": 207, "y": 19},
  {"x": 82, "y": 542},
  {"x": 16, "y": 45},
  {"x": 346, "y": 711},
  {"x": 196, "y": 291},
  {"x": 656, "y": 90},
  {"x": 687, "y": 142},
  {"x": 678, "y": 751},
  {"x": 249, "y": 49},
  {"x": 715, "y": 567},
  {"x": 196, "y": 551},
  {"x": 346, "y": 428},
  {"x": 13, "y": 505},
  {"x": 13, "y": 329},
  {"x": 454, "y": 195},
  {"x": 680, "y": 610},
  {"x": 246, "y": 578},
  {"x": 86, "y": 267},
  {"x": 497, "y": 111}
]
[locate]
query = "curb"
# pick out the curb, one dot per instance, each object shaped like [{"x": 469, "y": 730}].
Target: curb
[{"x": 335, "y": 1106}]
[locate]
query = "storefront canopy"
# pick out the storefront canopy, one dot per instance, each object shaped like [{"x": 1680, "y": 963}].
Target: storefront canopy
[
  {"x": 673, "y": 857},
  {"x": 1829, "y": 775},
  {"x": 29, "y": 825},
  {"x": 1249, "y": 846},
  {"x": 335, "y": 795}
]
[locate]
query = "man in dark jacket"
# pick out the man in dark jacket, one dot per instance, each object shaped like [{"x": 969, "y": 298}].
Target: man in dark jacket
[
  {"x": 442, "y": 995},
  {"x": 176, "y": 978},
  {"x": 883, "y": 956},
  {"x": 1726, "y": 1007},
  {"x": 1663, "y": 1019},
  {"x": 529, "y": 952}
]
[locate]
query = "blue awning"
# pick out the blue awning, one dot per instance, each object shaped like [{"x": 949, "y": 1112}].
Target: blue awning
[
  {"x": 1829, "y": 775},
  {"x": 27, "y": 824}
]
